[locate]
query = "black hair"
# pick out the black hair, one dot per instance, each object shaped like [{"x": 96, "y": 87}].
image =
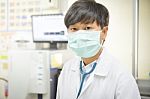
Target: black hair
[{"x": 87, "y": 11}]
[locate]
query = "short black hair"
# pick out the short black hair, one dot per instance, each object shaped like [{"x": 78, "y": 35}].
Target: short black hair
[{"x": 87, "y": 11}]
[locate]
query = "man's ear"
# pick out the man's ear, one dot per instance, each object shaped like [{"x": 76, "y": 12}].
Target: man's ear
[{"x": 104, "y": 32}]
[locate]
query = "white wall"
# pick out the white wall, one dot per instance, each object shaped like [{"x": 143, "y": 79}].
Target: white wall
[
  {"x": 119, "y": 39},
  {"x": 144, "y": 40}
]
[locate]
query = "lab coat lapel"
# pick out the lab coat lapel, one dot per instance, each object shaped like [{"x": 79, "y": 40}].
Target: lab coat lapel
[
  {"x": 88, "y": 83},
  {"x": 76, "y": 79},
  {"x": 75, "y": 69},
  {"x": 103, "y": 64}
]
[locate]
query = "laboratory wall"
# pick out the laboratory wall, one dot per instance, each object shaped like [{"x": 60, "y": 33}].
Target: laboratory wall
[
  {"x": 144, "y": 40},
  {"x": 119, "y": 38}
]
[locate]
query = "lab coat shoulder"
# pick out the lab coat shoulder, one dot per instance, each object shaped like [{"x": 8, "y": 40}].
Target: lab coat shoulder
[
  {"x": 124, "y": 83},
  {"x": 126, "y": 87}
]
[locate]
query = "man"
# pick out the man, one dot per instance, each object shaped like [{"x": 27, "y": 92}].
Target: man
[{"x": 95, "y": 74}]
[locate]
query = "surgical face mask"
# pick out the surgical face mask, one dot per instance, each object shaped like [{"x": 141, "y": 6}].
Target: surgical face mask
[{"x": 85, "y": 43}]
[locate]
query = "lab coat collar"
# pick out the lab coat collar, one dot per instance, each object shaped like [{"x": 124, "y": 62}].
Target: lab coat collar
[
  {"x": 103, "y": 64},
  {"x": 76, "y": 64}
]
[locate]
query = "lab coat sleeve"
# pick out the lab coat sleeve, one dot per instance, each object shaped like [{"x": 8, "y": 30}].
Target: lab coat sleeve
[{"x": 127, "y": 87}]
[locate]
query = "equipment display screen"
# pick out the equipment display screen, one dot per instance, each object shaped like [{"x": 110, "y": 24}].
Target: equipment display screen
[{"x": 49, "y": 28}]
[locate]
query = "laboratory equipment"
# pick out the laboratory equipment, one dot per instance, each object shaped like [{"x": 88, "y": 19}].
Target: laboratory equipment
[
  {"x": 49, "y": 28},
  {"x": 29, "y": 74}
]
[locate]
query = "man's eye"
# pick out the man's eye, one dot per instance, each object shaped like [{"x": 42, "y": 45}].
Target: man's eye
[
  {"x": 88, "y": 28},
  {"x": 73, "y": 29}
]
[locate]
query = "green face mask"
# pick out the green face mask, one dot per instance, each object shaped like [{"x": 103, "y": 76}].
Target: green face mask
[{"x": 85, "y": 43}]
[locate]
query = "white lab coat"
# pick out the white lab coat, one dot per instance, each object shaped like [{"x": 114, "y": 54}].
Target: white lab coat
[{"x": 108, "y": 81}]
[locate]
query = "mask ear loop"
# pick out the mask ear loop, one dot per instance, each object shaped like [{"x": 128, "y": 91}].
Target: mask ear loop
[{"x": 103, "y": 42}]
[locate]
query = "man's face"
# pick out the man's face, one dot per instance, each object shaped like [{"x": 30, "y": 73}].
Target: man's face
[{"x": 90, "y": 26}]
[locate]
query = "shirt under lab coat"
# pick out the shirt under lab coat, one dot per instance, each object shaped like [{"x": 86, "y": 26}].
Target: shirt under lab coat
[{"x": 108, "y": 81}]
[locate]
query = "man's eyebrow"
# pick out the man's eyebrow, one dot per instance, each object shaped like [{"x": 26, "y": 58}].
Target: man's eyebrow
[
  {"x": 89, "y": 24},
  {"x": 72, "y": 26}
]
